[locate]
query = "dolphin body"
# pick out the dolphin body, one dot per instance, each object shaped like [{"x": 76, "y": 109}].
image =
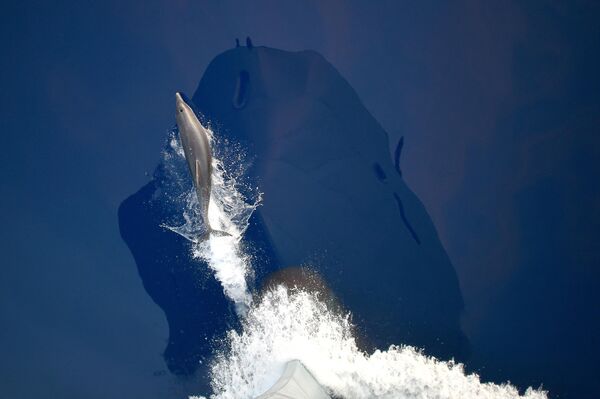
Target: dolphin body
[{"x": 196, "y": 147}]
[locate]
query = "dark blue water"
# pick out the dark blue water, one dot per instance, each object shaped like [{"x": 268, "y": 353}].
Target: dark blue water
[{"x": 498, "y": 105}]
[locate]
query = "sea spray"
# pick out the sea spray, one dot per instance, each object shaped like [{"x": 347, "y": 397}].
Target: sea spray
[
  {"x": 230, "y": 267},
  {"x": 294, "y": 324}
]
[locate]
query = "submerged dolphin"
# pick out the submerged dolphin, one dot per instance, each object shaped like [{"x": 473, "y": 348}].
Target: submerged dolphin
[{"x": 196, "y": 147}]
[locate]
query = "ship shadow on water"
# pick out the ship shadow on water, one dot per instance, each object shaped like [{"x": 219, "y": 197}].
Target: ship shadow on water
[{"x": 334, "y": 200}]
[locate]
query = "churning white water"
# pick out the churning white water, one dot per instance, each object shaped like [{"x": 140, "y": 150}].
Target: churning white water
[
  {"x": 288, "y": 325},
  {"x": 294, "y": 324}
]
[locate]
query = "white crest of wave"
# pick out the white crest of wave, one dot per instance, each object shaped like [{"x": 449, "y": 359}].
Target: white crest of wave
[{"x": 296, "y": 325}]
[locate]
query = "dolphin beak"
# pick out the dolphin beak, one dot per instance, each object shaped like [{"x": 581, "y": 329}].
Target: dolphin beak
[{"x": 180, "y": 103}]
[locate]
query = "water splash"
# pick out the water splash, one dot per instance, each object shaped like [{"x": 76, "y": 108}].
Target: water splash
[
  {"x": 232, "y": 202},
  {"x": 230, "y": 266},
  {"x": 288, "y": 325}
]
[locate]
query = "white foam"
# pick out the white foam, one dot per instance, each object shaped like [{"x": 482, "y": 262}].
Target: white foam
[
  {"x": 286, "y": 326},
  {"x": 230, "y": 267}
]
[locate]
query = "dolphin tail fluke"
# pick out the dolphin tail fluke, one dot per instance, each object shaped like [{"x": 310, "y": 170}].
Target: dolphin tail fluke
[
  {"x": 217, "y": 233},
  {"x": 220, "y": 233},
  {"x": 204, "y": 237}
]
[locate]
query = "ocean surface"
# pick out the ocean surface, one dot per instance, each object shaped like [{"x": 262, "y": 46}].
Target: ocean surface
[{"x": 434, "y": 164}]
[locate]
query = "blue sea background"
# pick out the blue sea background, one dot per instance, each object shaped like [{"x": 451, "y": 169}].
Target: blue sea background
[{"x": 498, "y": 105}]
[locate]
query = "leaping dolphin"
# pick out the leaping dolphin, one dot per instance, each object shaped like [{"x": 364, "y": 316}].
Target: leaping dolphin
[{"x": 196, "y": 147}]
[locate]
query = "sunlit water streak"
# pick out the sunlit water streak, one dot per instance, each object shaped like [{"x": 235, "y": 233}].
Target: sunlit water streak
[{"x": 285, "y": 325}]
